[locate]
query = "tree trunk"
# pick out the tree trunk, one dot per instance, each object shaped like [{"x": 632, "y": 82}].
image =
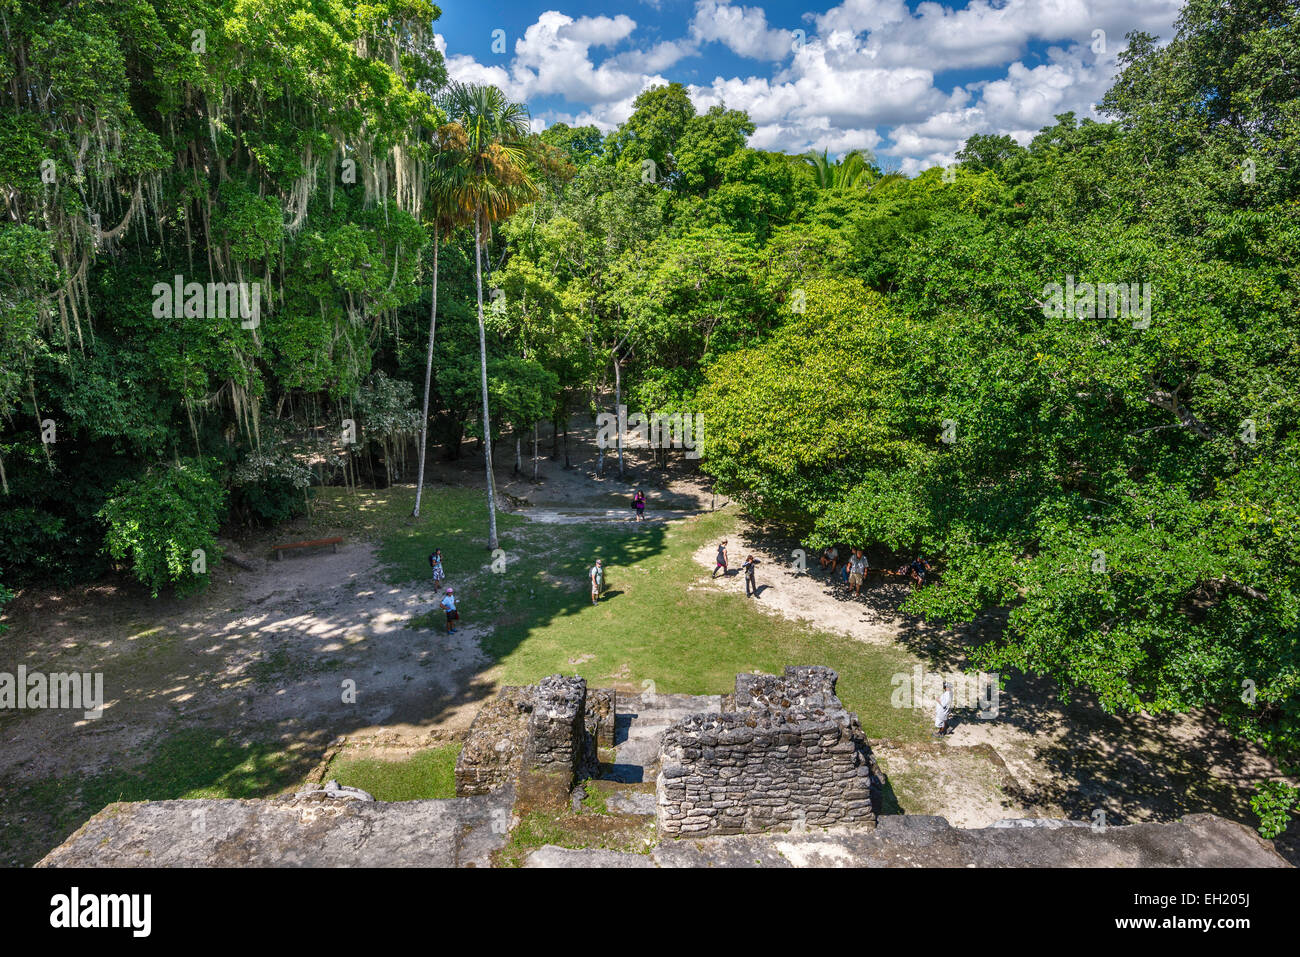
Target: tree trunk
[
  {"x": 534, "y": 451},
  {"x": 428, "y": 375},
  {"x": 482, "y": 356},
  {"x": 519, "y": 455},
  {"x": 618, "y": 404},
  {"x": 600, "y": 452},
  {"x": 566, "y": 442}
]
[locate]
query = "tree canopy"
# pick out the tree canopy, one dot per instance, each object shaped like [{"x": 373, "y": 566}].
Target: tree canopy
[{"x": 1068, "y": 370}]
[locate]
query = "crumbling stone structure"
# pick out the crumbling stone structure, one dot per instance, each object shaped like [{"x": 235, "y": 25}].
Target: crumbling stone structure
[
  {"x": 558, "y": 726},
  {"x": 787, "y": 758},
  {"x": 544, "y": 734},
  {"x": 493, "y": 753},
  {"x": 600, "y": 716}
]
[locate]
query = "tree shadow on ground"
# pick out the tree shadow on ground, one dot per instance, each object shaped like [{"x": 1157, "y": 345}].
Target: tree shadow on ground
[{"x": 1134, "y": 767}]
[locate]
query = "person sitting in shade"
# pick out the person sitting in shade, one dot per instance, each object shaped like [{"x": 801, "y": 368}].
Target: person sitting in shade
[
  {"x": 918, "y": 569},
  {"x": 830, "y": 557}
]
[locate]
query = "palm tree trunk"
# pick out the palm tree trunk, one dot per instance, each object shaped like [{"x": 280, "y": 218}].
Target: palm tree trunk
[
  {"x": 618, "y": 403},
  {"x": 482, "y": 356},
  {"x": 428, "y": 375}
]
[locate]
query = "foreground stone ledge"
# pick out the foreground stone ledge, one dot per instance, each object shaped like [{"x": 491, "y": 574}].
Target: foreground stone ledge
[
  {"x": 1198, "y": 840},
  {"x": 305, "y": 830}
]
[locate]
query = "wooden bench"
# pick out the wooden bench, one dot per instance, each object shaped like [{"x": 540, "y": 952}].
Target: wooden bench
[{"x": 279, "y": 549}]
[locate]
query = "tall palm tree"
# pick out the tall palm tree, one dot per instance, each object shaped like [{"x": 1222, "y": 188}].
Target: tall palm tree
[
  {"x": 491, "y": 182},
  {"x": 855, "y": 167},
  {"x": 448, "y": 144}
]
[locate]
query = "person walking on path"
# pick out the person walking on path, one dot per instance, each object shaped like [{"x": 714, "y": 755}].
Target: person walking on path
[
  {"x": 435, "y": 562},
  {"x": 750, "y": 585},
  {"x": 449, "y": 606},
  {"x": 597, "y": 576},
  {"x": 721, "y": 561},
  {"x": 638, "y": 503},
  {"x": 943, "y": 710}
]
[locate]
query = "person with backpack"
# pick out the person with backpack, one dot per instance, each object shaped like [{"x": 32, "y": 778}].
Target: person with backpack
[
  {"x": 449, "y": 606},
  {"x": 721, "y": 560},
  {"x": 435, "y": 562},
  {"x": 597, "y": 576}
]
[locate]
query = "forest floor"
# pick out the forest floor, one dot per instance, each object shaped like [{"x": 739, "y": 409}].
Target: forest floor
[{"x": 251, "y": 687}]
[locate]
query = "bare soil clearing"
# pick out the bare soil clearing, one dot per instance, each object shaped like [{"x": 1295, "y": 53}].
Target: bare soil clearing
[{"x": 268, "y": 649}]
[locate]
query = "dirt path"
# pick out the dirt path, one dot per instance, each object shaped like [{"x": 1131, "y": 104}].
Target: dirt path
[
  {"x": 271, "y": 649},
  {"x": 1037, "y": 756}
]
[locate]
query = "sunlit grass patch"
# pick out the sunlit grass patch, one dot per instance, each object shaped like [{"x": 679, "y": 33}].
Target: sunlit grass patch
[{"x": 428, "y": 774}]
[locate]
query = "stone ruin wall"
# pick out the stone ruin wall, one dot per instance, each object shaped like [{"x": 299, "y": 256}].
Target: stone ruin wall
[
  {"x": 600, "y": 716},
  {"x": 788, "y": 757},
  {"x": 556, "y": 730},
  {"x": 493, "y": 753},
  {"x": 550, "y": 729}
]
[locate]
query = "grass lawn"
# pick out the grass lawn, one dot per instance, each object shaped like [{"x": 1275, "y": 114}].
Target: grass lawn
[
  {"x": 429, "y": 774},
  {"x": 651, "y": 625}
]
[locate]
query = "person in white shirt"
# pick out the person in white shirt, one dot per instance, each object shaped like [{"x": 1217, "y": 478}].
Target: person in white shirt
[{"x": 943, "y": 709}]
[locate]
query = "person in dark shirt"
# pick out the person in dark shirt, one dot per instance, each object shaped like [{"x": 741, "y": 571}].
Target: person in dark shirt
[
  {"x": 750, "y": 585},
  {"x": 918, "y": 569}
]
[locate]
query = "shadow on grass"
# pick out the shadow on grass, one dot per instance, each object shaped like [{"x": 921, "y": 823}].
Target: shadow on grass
[{"x": 40, "y": 814}]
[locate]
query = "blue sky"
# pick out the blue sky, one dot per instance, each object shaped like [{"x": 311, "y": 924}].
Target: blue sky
[{"x": 909, "y": 81}]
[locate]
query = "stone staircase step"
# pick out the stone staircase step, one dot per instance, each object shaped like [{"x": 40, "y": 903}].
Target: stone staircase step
[
  {"x": 686, "y": 703},
  {"x": 639, "y": 725}
]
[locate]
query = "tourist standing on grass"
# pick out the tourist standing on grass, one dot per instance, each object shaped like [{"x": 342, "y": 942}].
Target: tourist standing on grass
[
  {"x": 721, "y": 560},
  {"x": 943, "y": 709},
  {"x": 449, "y": 606},
  {"x": 857, "y": 570},
  {"x": 638, "y": 503},
  {"x": 435, "y": 562},
  {"x": 597, "y": 576},
  {"x": 750, "y": 585}
]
